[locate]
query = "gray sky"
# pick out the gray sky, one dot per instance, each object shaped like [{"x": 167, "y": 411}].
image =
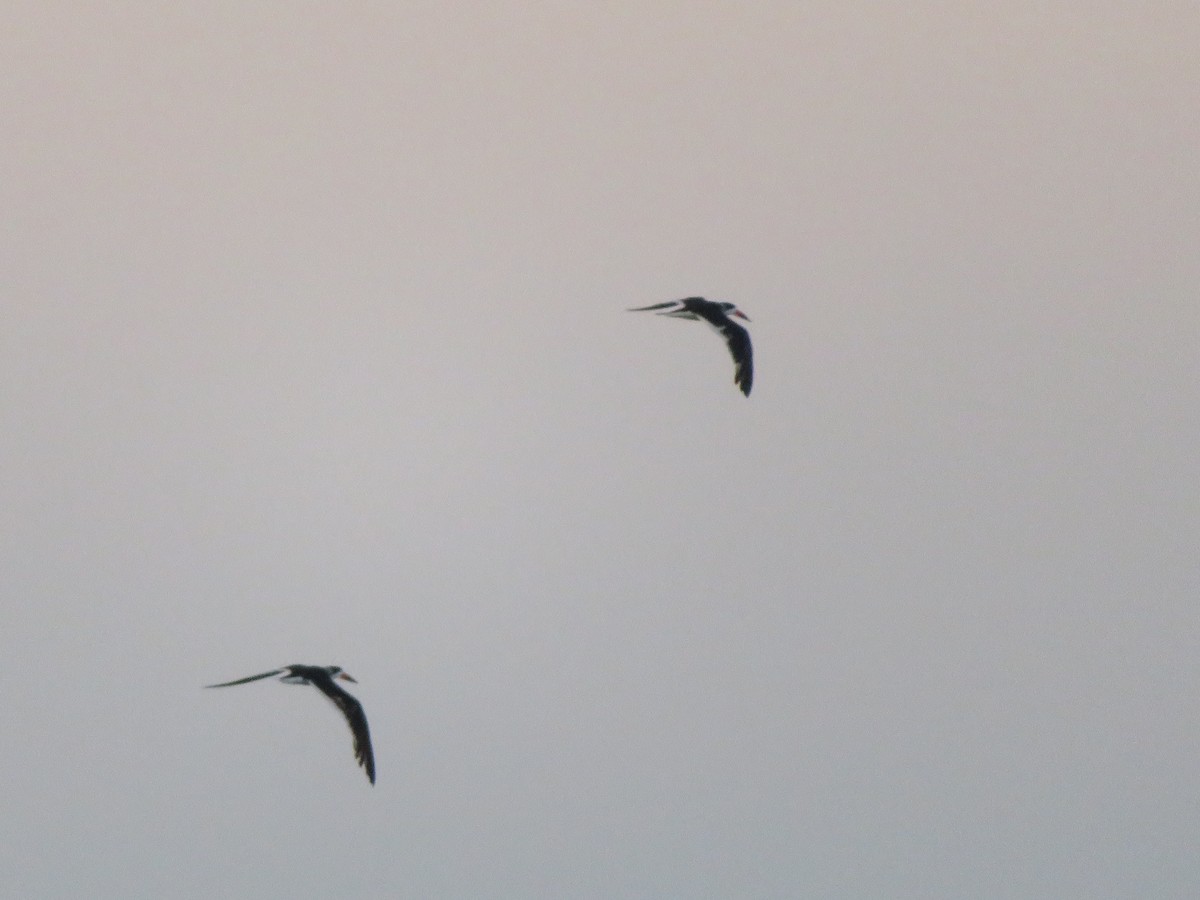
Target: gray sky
[{"x": 314, "y": 350}]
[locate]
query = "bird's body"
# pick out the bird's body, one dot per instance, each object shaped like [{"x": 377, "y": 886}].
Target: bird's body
[
  {"x": 322, "y": 678},
  {"x": 717, "y": 314}
]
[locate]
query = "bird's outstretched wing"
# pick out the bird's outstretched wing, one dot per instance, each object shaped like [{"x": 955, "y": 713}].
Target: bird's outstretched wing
[
  {"x": 669, "y": 303},
  {"x": 738, "y": 340},
  {"x": 357, "y": 720},
  {"x": 245, "y": 680}
]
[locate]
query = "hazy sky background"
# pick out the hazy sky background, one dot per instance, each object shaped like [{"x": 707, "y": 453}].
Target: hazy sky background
[{"x": 314, "y": 350}]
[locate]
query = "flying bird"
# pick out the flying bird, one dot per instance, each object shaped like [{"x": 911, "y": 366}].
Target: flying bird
[
  {"x": 717, "y": 315},
  {"x": 322, "y": 678}
]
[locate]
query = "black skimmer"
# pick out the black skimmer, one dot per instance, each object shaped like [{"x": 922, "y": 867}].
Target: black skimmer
[
  {"x": 322, "y": 678},
  {"x": 717, "y": 315}
]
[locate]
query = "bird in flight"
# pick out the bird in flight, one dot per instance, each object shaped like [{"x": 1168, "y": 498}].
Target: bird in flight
[
  {"x": 322, "y": 677},
  {"x": 717, "y": 315}
]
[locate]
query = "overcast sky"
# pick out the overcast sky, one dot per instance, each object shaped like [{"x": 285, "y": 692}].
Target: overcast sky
[{"x": 313, "y": 349}]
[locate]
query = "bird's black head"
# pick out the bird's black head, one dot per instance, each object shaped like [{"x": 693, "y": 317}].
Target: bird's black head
[{"x": 731, "y": 309}]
